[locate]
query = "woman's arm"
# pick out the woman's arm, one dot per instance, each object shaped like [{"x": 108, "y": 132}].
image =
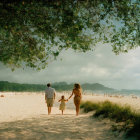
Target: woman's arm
[
  {"x": 59, "y": 100},
  {"x": 71, "y": 95}
]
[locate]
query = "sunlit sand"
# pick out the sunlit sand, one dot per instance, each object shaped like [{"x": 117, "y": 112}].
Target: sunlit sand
[
  {"x": 17, "y": 106},
  {"x": 24, "y": 116}
]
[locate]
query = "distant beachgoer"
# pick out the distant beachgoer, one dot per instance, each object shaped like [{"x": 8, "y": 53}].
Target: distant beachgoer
[
  {"x": 77, "y": 91},
  {"x": 62, "y": 105},
  {"x": 1, "y": 95},
  {"x": 49, "y": 97}
]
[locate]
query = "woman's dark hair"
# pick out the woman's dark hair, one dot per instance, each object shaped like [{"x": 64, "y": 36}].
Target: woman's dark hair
[
  {"x": 77, "y": 86},
  {"x": 48, "y": 85}
]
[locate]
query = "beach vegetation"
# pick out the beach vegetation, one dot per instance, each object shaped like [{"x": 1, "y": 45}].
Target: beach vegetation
[
  {"x": 59, "y": 86},
  {"x": 124, "y": 114}
]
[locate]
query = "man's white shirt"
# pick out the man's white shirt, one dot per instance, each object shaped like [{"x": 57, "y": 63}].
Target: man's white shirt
[{"x": 49, "y": 92}]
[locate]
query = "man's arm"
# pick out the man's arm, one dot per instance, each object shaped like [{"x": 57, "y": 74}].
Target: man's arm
[
  {"x": 45, "y": 97},
  {"x": 54, "y": 95}
]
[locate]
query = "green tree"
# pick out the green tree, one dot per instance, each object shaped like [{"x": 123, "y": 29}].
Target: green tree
[{"x": 34, "y": 32}]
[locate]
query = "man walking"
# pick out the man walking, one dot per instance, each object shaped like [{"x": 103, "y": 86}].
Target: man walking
[{"x": 49, "y": 97}]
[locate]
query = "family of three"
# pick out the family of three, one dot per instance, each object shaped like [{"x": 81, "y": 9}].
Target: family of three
[{"x": 50, "y": 95}]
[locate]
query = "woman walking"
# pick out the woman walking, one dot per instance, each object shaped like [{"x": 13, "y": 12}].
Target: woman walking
[{"x": 77, "y": 92}]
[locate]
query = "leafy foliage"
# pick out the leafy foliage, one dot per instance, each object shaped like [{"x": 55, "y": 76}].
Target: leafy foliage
[
  {"x": 6, "y": 86},
  {"x": 33, "y": 33},
  {"x": 59, "y": 86}
]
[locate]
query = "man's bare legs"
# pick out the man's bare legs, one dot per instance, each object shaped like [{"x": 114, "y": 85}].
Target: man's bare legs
[{"x": 49, "y": 110}]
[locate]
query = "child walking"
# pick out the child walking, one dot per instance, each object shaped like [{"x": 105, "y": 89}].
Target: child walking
[{"x": 62, "y": 105}]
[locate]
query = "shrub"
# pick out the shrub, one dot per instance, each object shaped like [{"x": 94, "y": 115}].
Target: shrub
[
  {"x": 118, "y": 113},
  {"x": 89, "y": 106}
]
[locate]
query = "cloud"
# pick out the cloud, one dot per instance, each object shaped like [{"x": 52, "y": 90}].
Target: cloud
[{"x": 100, "y": 65}]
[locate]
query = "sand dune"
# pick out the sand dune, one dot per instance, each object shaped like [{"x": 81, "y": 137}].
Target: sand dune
[{"x": 24, "y": 116}]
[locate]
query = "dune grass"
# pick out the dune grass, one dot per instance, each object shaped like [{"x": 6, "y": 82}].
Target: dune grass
[
  {"x": 106, "y": 109},
  {"x": 89, "y": 106}
]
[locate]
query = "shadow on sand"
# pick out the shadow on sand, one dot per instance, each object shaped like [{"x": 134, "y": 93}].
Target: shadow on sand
[{"x": 56, "y": 127}]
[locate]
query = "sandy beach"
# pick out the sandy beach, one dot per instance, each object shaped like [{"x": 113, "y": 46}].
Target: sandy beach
[{"x": 24, "y": 116}]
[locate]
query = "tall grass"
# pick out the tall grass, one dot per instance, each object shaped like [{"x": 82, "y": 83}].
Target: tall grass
[
  {"x": 89, "y": 106},
  {"x": 117, "y": 113}
]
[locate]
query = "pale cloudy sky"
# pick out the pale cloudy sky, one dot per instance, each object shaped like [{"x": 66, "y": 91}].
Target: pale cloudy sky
[{"x": 98, "y": 66}]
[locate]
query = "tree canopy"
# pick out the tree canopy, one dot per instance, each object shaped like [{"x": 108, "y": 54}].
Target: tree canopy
[
  {"x": 34, "y": 32},
  {"x": 59, "y": 86}
]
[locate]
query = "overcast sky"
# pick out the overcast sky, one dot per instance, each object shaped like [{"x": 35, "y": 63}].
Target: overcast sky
[{"x": 98, "y": 66}]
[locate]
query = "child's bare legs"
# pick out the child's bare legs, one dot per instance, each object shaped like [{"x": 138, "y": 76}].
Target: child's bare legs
[{"x": 62, "y": 112}]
